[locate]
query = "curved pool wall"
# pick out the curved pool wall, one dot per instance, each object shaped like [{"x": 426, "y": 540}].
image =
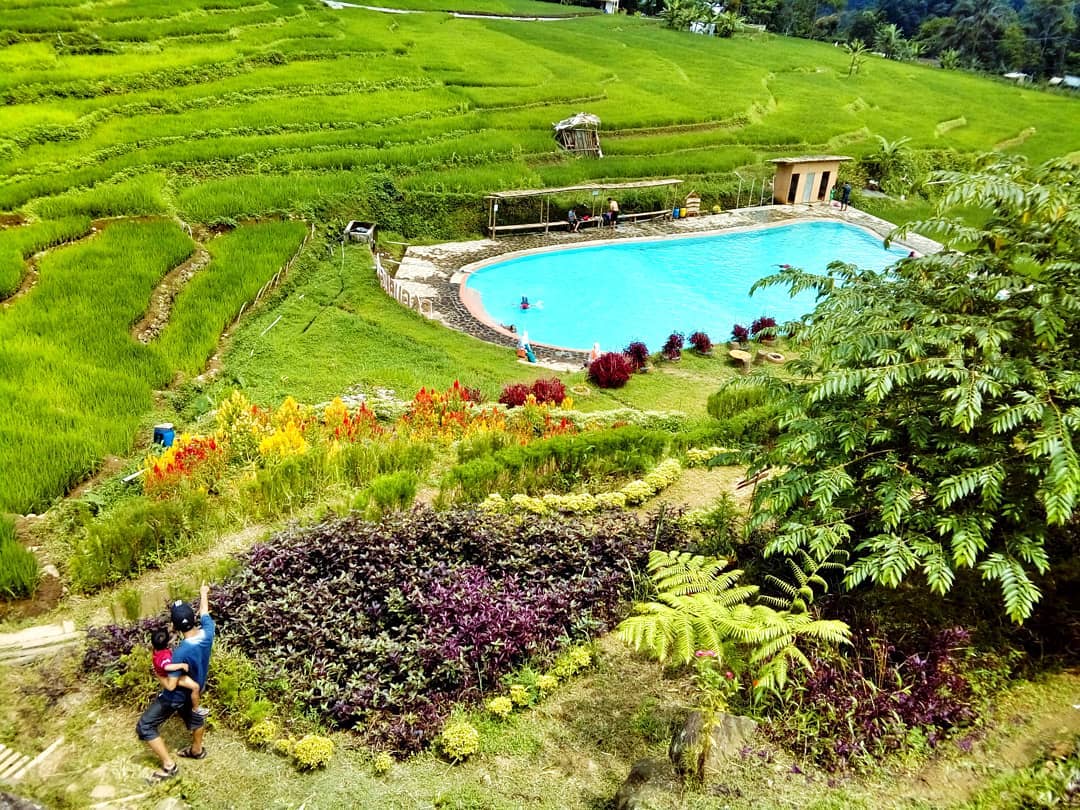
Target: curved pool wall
[{"x": 637, "y": 289}]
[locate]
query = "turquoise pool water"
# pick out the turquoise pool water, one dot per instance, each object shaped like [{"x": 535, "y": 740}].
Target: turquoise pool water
[{"x": 644, "y": 290}]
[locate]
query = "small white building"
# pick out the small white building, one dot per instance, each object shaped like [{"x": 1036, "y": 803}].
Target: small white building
[
  {"x": 1071, "y": 82},
  {"x": 611, "y": 6},
  {"x": 1018, "y": 77}
]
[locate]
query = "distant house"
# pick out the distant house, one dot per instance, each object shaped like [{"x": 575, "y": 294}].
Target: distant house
[
  {"x": 1071, "y": 82},
  {"x": 702, "y": 27},
  {"x": 1016, "y": 76},
  {"x": 805, "y": 179},
  {"x": 611, "y": 6}
]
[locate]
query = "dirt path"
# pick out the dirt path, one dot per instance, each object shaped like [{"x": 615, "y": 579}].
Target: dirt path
[
  {"x": 164, "y": 294},
  {"x": 155, "y": 585},
  {"x": 1029, "y": 722}
]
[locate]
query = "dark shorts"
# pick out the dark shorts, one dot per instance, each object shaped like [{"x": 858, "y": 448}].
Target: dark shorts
[{"x": 159, "y": 711}]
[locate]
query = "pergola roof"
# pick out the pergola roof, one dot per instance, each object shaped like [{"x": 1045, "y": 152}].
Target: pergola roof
[
  {"x": 812, "y": 159},
  {"x": 535, "y": 192}
]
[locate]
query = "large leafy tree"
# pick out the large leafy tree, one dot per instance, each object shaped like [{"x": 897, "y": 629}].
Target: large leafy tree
[
  {"x": 935, "y": 428},
  {"x": 1049, "y": 24},
  {"x": 980, "y": 29}
]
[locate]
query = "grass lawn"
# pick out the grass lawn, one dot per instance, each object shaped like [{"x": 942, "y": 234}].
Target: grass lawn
[
  {"x": 332, "y": 329},
  {"x": 569, "y": 753}
]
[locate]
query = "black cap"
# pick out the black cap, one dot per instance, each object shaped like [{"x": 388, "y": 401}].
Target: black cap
[{"x": 183, "y": 617}]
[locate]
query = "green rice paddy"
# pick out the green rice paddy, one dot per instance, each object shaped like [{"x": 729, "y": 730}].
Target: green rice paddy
[{"x": 205, "y": 112}]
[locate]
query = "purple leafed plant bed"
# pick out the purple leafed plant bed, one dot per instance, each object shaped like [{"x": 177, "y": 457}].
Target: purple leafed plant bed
[
  {"x": 865, "y": 704},
  {"x": 106, "y": 645},
  {"x": 383, "y": 627}
]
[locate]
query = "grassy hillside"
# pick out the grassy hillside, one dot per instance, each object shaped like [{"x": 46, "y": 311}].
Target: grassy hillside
[
  {"x": 228, "y": 110},
  {"x": 234, "y": 109}
]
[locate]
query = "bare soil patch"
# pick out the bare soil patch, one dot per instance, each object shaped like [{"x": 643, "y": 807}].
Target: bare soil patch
[{"x": 161, "y": 300}]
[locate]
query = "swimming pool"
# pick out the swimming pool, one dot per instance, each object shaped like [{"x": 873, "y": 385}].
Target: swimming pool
[{"x": 645, "y": 289}]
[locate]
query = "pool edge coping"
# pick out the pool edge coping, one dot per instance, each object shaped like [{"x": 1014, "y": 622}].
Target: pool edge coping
[{"x": 437, "y": 263}]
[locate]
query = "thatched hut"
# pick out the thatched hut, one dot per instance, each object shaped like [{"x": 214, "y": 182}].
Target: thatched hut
[{"x": 580, "y": 134}]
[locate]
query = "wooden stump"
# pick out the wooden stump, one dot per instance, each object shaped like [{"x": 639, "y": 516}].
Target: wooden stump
[{"x": 742, "y": 358}]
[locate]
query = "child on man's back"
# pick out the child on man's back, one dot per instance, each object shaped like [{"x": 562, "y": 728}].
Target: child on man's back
[{"x": 172, "y": 675}]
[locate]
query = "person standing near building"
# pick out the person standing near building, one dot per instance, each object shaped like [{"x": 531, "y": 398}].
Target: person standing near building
[
  {"x": 845, "y": 196},
  {"x": 613, "y": 212}
]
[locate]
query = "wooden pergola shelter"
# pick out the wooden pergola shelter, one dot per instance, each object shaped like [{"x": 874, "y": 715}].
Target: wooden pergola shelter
[{"x": 598, "y": 192}]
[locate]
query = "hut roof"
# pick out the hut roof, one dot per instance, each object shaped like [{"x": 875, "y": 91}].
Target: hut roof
[{"x": 581, "y": 120}]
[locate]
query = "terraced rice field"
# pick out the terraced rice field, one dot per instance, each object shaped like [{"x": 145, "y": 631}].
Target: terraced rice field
[{"x": 187, "y": 114}]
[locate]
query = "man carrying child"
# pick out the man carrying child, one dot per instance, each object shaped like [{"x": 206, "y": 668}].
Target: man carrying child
[
  {"x": 169, "y": 674},
  {"x": 194, "y": 653}
]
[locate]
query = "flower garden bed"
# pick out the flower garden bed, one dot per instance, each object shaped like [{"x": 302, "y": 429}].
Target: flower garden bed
[{"x": 386, "y": 627}]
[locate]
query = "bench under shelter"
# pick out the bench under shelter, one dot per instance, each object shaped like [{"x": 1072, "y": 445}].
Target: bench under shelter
[{"x": 597, "y": 193}]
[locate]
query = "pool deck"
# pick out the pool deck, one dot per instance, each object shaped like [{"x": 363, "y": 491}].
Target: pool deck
[{"x": 435, "y": 272}]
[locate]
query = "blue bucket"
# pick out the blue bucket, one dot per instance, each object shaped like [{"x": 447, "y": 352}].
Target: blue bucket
[{"x": 164, "y": 434}]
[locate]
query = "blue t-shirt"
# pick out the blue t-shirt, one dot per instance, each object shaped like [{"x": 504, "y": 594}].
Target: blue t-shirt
[{"x": 195, "y": 652}]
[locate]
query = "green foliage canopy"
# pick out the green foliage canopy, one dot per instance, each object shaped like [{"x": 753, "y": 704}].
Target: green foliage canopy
[{"x": 934, "y": 430}]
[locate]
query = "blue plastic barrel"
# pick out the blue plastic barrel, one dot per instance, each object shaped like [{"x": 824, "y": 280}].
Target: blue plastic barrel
[
  {"x": 164, "y": 434},
  {"x": 674, "y": 213}
]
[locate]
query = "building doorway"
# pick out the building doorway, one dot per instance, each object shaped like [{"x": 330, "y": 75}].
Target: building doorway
[
  {"x": 823, "y": 189},
  {"x": 793, "y": 188}
]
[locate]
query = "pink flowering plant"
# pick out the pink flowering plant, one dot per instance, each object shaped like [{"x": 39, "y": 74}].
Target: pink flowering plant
[{"x": 717, "y": 679}]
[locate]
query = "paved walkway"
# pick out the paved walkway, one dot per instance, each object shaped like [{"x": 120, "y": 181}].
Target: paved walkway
[
  {"x": 435, "y": 271},
  {"x": 34, "y": 642}
]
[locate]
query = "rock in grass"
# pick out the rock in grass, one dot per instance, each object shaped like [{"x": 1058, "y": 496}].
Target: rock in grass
[
  {"x": 694, "y": 756},
  {"x": 9, "y": 801},
  {"x": 647, "y": 786}
]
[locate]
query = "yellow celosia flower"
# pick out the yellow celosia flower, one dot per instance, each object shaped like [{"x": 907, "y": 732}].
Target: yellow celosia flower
[{"x": 284, "y": 442}]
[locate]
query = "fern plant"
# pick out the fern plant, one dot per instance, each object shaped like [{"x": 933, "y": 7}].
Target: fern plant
[
  {"x": 807, "y": 573},
  {"x": 698, "y": 605}
]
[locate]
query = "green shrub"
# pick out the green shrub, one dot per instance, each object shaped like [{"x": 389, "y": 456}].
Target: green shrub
[
  {"x": 755, "y": 425},
  {"x": 363, "y": 461},
  {"x": 483, "y": 444},
  {"x": 733, "y": 400},
  {"x": 312, "y": 751},
  {"x": 286, "y": 484},
  {"x": 131, "y": 680},
  {"x": 263, "y": 733},
  {"x": 560, "y": 463},
  {"x": 392, "y": 492},
  {"x": 459, "y": 740},
  {"x": 137, "y": 535},
  {"x": 721, "y": 527},
  {"x": 18, "y": 565},
  {"x": 383, "y": 763},
  {"x": 130, "y": 601},
  {"x": 236, "y": 686}
]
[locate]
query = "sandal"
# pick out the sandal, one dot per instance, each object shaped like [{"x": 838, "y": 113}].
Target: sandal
[
  {"x": 164, "y": 774},
  {"x": 187, "y": 753}
]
